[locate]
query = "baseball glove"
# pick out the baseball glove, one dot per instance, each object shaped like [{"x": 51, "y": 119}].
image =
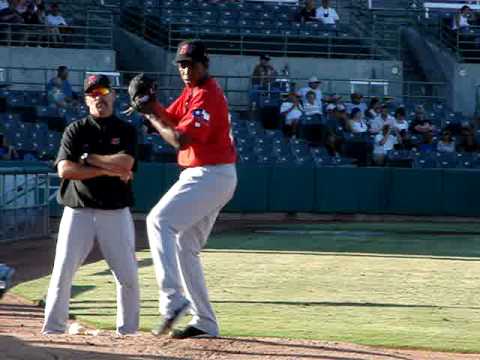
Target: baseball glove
[
  {"x": 6, "y": 274},
  {"x": 142, "y": 92}
]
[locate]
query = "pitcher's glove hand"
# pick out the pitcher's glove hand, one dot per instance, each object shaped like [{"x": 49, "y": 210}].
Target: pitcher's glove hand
[{"x": 142, "y": 92}]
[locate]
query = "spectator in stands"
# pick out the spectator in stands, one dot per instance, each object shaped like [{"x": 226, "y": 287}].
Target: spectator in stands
[
  {"x": 427, "y": 144},
  {"x": 327, "y": 15},
  {"x": 70, "y": 97},
  {"x": 399, "y": 122},
  {"x": 468, "y": 142},
  {"x": 55, "y": 22},
  {"x": 374, "y": 108},
  {"x": 8, "y": 13},
  {"x": 384, "y": 142},
  {"x": 357, "y": 124},
  {"x": 308, "y": 12},
  {"x": 356, "y": 101},
  {"x": 403, "y": 141},
  {"x": 420, "y": 124},
  {"x": 7, "y": 152},
  {"x": 330, "y": 116},
  {"x": 264, "y": 73},
  {"x": 55, "y": 95},
  {"x": 376, "y": 124},
  {"x": 313, "y": 85},
  {"x": 461, "y": 19},
  {"x": 446, "y": 143},
  {"x": 291, "y": 111},
  {"x": 342, "y": 117},
  {"x": 311, "y": 106}
]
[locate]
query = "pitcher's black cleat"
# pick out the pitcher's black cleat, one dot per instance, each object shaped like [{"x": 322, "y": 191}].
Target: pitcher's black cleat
[{"x": 188, "y": 332}]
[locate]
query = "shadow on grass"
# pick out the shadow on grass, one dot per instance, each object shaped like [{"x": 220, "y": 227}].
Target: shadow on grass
[
  {"x": 80, "y": 289},
  {"x": 141, "y": 264},
  {"x": 358, "y": 243}
]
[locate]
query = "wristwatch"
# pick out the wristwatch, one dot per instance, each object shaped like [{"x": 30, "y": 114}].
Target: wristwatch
[{"x": 83, "y": 159}]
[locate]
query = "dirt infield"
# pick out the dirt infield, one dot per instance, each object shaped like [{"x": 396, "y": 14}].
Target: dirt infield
[{"x": 20, "y": 324}]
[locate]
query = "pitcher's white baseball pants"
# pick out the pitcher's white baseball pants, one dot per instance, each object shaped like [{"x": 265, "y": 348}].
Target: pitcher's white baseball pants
[
  {"x": 178, "y": 228},
  {"x": 115, "y": 233}
]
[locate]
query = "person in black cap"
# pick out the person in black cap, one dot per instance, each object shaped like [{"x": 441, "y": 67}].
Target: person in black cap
[
  {"x": 197, "y": 124},
  {"x": 95, "y": 162}
]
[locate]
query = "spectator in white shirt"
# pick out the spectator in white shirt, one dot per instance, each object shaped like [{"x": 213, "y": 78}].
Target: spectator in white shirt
[
  {"x": 311, "y": 106},
  {"x": 399, "y": 122},
  {"x": 55, "y": 22},
  {"x": 384, "y": 142},
  {"x": 460, "y": 20},
  {"x": 327, "y": 15},
  {"x": 356, "y": 101},
  {"x": 291, "y": 110},
  {"x": 357, "y": 123},
  {"x": 446, "y": 143},
  {"x": 313, "y": 85}
]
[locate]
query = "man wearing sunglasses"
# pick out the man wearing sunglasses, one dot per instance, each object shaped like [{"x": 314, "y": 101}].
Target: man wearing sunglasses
[
  {"x": 95, "y": 162},
  {"x": 197, "y": 124}
]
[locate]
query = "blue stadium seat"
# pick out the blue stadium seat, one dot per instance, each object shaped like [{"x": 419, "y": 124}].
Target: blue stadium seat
[{"x": 425, "y": 161}]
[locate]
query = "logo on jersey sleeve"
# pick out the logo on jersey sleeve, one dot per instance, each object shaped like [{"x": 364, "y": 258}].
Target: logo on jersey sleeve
[{"x": 200, "y": 116}]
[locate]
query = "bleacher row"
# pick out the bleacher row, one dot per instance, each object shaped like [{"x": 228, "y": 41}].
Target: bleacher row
[
  {"x": 34, "y": 128},
  {"x": 231, "y": 27}
]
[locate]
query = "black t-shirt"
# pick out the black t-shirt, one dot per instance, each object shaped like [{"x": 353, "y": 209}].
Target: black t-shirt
[
  {"x": 307, "y": 15},
  {"x": 106, "y": 136}
]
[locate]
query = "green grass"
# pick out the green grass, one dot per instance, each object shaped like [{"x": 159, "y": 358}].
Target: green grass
[{"x": 412, "y": 285}]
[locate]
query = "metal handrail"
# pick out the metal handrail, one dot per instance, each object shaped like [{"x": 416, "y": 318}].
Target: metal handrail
[
  {"x": 237, "y": 87},
  {"x": 43, "y": 35},
  {"x": 149, "y": 25}
]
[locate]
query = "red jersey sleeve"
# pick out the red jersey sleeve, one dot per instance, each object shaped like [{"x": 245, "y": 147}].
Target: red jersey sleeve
[{"x": 196, "y": 122}]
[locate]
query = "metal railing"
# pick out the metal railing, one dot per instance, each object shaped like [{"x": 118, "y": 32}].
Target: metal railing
[
  {"x": 352, "y": 40},
  {"x": 237, "y": 88},
  {"x": 88, "y": 37},
  {"x": 24, "y": 192}
]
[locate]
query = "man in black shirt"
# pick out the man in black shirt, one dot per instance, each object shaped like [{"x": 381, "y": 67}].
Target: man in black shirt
[{"x": 95, "y": 162}]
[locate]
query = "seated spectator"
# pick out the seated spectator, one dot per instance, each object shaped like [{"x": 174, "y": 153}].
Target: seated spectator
[
  {"x": 374, "y": 108},
  {"x": 342, "y": 118},
  {"x": 357, "y": 124},
  {"x": 403, "y": 141},
  {"x": 420, "y": 124},
  {"x": 327, "y": 15},
  {"x": 461, "y": 19},
  {"x": 331, "y": 114},
  {"x": 356, "y": 103},
  {"x": 8, "y": 12},
  {"x": 311, "y": 106},
  {"x": 7, "y": 152},
  {"x": 375, "y": 125},
  {"x": 384, "y": 142},
  {"x": 308, "y": 12},
  {"x": 55, "y": 23},
  {"x": 468, "y": 143},
  {"x": 446, "y": 143},
  {"x": 291, "y": 111},
  {"x": 55, "y": 95},
  {"x": 61, "y": 81},
  {"x": 427, "y": 144},
  {"x": 313, "y": 85},
  {"x": 399, "y": 122}
]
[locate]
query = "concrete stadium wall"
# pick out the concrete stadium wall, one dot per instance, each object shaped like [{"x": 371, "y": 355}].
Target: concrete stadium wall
[
  {"x": 147, "y": 57},
  {"x": 38, "y": 58},
  {"x": 439, "y": 62},
  {"x": 28, "y": 57}
]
